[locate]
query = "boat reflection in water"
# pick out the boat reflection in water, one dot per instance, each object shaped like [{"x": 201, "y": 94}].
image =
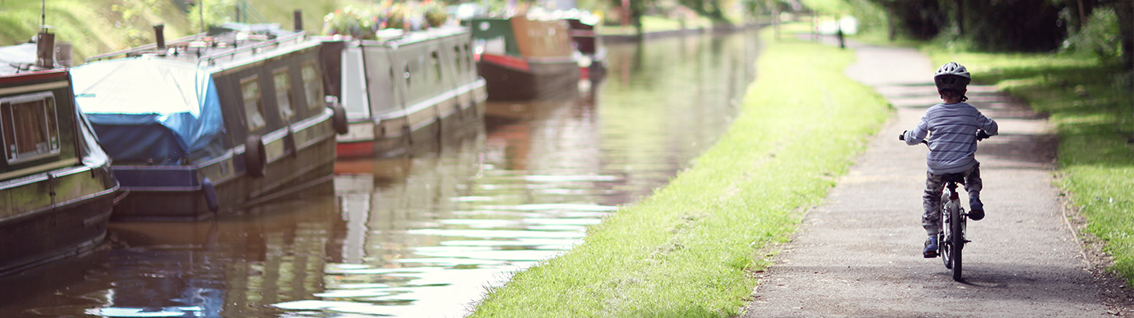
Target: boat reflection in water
[{"x": 232, "y": 267}]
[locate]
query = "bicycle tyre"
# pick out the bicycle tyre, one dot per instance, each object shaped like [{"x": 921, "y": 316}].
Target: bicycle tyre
[
  {"x": 943, "y": 243},
  {"x": 957, "y": 239}
]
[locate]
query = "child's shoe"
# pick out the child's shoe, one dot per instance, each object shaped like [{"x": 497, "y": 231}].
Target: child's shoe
[
  {"x": 930, "y": 250},
  {"x": 976, "y": 210}
]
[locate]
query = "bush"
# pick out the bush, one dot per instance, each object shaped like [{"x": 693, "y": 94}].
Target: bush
[{"x": 1099, "y": 36}]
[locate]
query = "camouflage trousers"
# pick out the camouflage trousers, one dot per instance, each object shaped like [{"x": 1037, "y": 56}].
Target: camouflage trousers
[{"x": 934, "y": 186}]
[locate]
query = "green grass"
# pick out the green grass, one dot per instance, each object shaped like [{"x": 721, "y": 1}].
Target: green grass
[
  {"x": 101, "y": 26},
  {"x": 689, "y": 249},
  {"x": 657, "y": 24},
  {"x": 1091, "y": 105}
]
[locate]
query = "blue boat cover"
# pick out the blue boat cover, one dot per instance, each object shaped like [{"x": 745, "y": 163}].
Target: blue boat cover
[{"x": 150, "y": 109}]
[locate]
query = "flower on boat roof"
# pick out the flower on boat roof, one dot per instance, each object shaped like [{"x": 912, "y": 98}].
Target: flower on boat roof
[{"x": 364, "y": 23}]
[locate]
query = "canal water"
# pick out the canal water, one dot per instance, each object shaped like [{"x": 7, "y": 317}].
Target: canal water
[{"x": 427, "y": 235}]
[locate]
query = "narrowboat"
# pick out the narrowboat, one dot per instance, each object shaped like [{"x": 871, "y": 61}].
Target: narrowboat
[
  {"x": 56, "y": 188},
  {"x": 584, "y": 33},
  {"x": 212, "y": 122},
  {"x": 524, "y": 58},
  {"x": 403, "y": 90}
]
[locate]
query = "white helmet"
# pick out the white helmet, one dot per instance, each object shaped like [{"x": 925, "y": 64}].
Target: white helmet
[{"x": 952, "y": 76}]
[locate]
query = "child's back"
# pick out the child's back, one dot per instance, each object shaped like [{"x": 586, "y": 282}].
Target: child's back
[{"x": 952, "y": 130}]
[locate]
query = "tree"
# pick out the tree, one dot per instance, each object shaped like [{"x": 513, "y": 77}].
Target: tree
[{"x": 1125, "y": 11}]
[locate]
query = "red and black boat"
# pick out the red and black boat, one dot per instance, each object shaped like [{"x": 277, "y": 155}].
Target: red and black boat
[{"x": 524, "y": 58}]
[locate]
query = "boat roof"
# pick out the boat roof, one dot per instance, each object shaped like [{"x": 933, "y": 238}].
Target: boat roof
[
  {"x": 397, "y": 37},
  {"x": 222, "y": 47},
  {"x": 17, "y": 58},
  {"x": 140, "y": 85}
]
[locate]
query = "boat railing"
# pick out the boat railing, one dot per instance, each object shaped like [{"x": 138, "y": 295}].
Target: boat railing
[
  {"x": 254, "y": 48},
  {"x": 201, "y": 42},
  {"x": 143, "y": 49}
]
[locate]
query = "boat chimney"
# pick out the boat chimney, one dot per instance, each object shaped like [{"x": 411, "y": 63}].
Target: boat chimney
[
  {"x": 159, "y": 33},
  {"x": 44, "y": 49},
  {"x": 298, "y": 14}
]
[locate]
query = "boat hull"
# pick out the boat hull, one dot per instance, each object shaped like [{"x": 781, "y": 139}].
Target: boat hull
[
  {"x": 389, "y": 137},
  {"x": 55, "y": 232},
  {"x": 540, "y": 79},
  {"x": 179, "y": 192}
]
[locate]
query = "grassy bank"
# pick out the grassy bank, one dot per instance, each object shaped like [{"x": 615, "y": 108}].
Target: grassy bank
[
  {"x": 687, "y": 250},
  {"x": 1091, "y": 105},
  {"x": 101, "y": 26}
]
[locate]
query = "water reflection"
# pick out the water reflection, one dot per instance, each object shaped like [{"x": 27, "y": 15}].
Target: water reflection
[
  {"x": 231, "y": 267},
  {"x": 462, "y": 220},
  {"x": 423, "y": 235}
]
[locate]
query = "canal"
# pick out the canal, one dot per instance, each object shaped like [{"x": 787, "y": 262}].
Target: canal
[{"x": 427, "y": 235}]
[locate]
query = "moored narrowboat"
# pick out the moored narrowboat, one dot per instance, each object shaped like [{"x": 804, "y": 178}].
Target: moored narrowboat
[
  {"x": 584, "y": 33},
  {"x": 56, "y": 189},
  {"x": 403, "y": 90},
  {"x": 524, "y": 58},
  {"x": 212, "y": 122}
]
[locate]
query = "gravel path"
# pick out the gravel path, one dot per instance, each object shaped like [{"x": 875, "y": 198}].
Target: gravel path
[{"x": 859, "y": 253}]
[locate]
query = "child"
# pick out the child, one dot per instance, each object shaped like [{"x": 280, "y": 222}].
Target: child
[{"x": 952, "y": 128}]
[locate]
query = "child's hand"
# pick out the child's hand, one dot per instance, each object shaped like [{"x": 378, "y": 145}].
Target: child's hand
[
  {"x": 902, "y": 137},
  {"x": 980, "y": 134}
]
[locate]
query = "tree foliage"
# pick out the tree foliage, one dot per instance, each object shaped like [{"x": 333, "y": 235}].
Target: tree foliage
[{"x": 1017, "y": 25}]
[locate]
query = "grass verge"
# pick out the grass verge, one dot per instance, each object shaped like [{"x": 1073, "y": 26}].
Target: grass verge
[
  {"x": 101, "y": 26},
  {"x": 688, "y": 249},
  {"x": 1091, "y": 105}
]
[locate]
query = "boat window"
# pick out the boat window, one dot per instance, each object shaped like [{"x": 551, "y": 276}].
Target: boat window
[
  {"x": 457, "y": 56},
  {"x": 30, "y": 126},
  {"x": 253, "y": 104},
  {"x": 436, "y": 66},
  {"x": 312, "y": 85},
  {"x": 468, "y": 58},
  {"x": 282, "y": 79}
]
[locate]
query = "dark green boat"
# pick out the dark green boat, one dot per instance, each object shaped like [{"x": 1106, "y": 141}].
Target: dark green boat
[{"x": 56, "y": 189}]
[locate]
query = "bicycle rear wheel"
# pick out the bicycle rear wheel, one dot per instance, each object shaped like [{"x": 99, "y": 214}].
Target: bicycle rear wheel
[
  {"x": 943, "y": 239},
  {"x": 956, "y": 239}
]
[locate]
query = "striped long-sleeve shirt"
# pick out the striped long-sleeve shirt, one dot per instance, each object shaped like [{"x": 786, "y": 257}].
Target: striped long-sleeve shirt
[{"x": 952, "y": 136}]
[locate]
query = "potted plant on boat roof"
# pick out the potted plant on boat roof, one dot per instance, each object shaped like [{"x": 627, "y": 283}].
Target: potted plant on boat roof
[
  {"x": 435, "y": 13},
  {"x": 351, "y": 21}
]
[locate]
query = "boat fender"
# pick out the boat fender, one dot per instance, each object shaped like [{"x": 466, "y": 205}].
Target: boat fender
[
  {"x": 290, "y": 143},
  {"x": 255, "y": 158},
  {"x": 339, "y": 120},
  {"x": 210, "y": 194}
]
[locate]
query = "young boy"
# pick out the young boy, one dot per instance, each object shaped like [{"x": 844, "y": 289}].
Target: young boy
[{"x": 952, "y": 128}]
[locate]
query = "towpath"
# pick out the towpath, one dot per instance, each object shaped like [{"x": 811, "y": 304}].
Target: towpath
[{"x": 858, "y": 254}]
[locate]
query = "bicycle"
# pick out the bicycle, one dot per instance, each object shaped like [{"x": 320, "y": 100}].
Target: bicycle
[{"x": 951, "y": 240}]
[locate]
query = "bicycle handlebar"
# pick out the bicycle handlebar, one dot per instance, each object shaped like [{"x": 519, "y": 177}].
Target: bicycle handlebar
[{"x": 980, "y": 135}]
